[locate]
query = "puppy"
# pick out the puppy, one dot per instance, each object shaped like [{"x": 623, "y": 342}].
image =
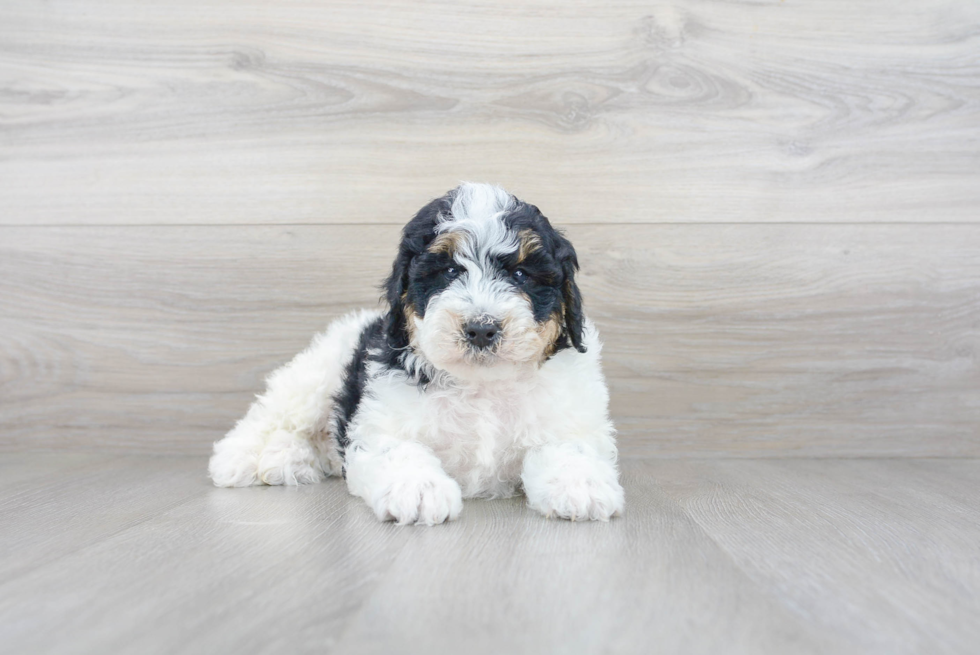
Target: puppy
[{"x": 480, "y": 379}]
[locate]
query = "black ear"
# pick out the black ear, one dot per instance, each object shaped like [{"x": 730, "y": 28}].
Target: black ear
[
  {"x": 571, "y": 297},
  {"x": 416, "y": 236},
  {"x": 394, "y": 288}
]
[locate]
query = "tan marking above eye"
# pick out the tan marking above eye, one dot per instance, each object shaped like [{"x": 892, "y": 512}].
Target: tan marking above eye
[
  {"x": 528, "y": 242},
  {"x": 446, "y": 243}
]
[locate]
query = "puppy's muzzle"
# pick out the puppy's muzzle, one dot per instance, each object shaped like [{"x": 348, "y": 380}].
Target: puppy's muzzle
[{"x": 482, "y": 334}]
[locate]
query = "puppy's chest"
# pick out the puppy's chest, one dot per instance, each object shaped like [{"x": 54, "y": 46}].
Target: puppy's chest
[
  {"x": 477, "y": 419},
  {"x": 480, "y": 437}
]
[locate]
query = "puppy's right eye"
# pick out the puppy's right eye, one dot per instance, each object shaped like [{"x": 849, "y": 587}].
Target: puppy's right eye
[{"x": 452, "y": 272}]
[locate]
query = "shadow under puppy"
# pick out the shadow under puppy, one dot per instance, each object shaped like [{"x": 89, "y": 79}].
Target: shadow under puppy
[{"x": 483, "y": 377}]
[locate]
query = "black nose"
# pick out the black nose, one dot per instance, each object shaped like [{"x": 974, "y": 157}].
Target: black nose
[{"x": 481, "y": 333}]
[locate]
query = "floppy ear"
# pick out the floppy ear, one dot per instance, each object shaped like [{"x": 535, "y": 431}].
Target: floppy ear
[
  {"x": 415, "y": 236},
  {"x": 571, "y": 297},
  {"x": 395, "y": 287}
]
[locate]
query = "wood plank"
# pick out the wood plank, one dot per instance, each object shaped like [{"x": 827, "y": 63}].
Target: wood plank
[
  {"x": 34, "y": 467},
  {"x": 311, "y": 570},
  {"x": 46, "y": 517},
  {"x": 351, "y": 112},
  {"x": 740, "y": 340},
  {"x": 880, "y": 553},
  {"x": 816, "y": 340}
]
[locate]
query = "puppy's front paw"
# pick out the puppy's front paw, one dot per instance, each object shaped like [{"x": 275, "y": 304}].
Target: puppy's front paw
[
  {"x": 581, "y": 499},
  {"x": 571, "y": 482},
  {"x": 288, "y": 460},
  {"x": 414, "y": 497},
  {"x": 233, "y": 465}
]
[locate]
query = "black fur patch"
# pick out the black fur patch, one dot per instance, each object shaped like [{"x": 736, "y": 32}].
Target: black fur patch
[
  {"x": 416, "y": 237},
  {"x": 352, "y": 386},
  {"x": 552, "y": 269},
  {"x": 355, "y": 378},
  {"x": 429, "y": 273}
]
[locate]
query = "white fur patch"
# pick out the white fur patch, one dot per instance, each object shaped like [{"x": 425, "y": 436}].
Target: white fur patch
[
  {"x": 480, "y": 430},
  {"x": 283, "y": 438},
  {"x": 403, "y": 482},
  {"x": 571, "y": 481}
]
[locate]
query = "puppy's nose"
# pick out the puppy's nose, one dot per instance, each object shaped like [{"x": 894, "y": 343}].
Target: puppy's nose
[{"x": 481, "y": 333}]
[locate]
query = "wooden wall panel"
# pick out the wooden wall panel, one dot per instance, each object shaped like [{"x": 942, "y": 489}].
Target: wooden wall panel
[
  {"x": 247, "y": 111},
  {"x": 776, "y": 204},
  {"x": 742, "y": 340}
]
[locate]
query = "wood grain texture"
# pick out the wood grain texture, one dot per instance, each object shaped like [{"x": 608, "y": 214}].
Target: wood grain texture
[
  {"x": 352, "y": 112},
  {"x": 88, "y": 500},
  {"x": 740, "y": 340},
  {"x": 840, "y": 541},
  {"x": 514, "y": 584},
  {"x": 738, "y": 556}
]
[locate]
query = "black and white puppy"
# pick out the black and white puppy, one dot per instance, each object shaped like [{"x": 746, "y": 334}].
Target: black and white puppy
[{"x": 482, "y": 378}]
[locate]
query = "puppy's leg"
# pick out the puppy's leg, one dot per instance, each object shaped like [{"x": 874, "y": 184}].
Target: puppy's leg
[
  {"x": 571, "y": 480},
  {"x": 402, "y": 481},
  {"x": 284, "y": 438}
]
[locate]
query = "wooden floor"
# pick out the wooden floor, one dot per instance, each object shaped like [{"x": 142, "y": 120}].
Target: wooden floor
[{"x": 139, "y": 554}]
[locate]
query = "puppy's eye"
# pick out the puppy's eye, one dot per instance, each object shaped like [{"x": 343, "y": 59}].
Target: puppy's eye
[
  {"x": 453, "y": 272},
  {"x": 520, "y": 276}
]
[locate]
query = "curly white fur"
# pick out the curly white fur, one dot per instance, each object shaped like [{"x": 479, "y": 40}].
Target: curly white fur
[
  {"x": 571, "y": 481},
  {"x": 403, "y": 481},
  {"x": 283, "y": 439},
  {"x": 546, "y": 429}
]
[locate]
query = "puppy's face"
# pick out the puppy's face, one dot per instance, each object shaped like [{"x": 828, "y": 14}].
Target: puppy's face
[{"x": 483, "y": 285}]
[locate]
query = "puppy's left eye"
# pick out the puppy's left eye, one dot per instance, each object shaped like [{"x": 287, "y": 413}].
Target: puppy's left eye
[
  {"x": 452, "y": 272},
  {"x": 520, "y": 276}
]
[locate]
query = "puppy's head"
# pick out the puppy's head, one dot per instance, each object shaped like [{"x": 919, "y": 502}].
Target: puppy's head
[{"x": 482, "y": 284}]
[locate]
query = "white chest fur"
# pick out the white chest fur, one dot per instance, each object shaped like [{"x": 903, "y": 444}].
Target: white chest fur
[{"x": 481, "y": 432}]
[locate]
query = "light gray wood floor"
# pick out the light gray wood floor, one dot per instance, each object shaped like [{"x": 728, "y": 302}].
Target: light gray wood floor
[{"x": 139, "y": 554}]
